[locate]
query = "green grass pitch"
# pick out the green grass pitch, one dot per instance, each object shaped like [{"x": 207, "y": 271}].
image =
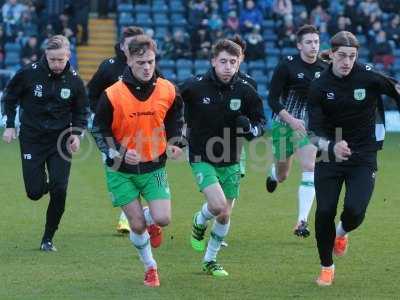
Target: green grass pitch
[{"x": 264, "y": 259}]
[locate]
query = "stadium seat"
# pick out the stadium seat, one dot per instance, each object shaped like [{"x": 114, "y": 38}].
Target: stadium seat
[
  {"x": 160, "y": 32},
  {"x": 169, "y": 74},
  {"x": 178, "y": 20},
  {"x": 144, "y": 20},
  {"x": 184, "y": 64},
  {"x": 159, "y": 7},
  {"x": 244, "y": 67},
  {"x": 271, "y": 62},
  {"x": 176, "y": 6},
  {"x": 183, "y": 74},
  {"x": 160, "y": 19},
  {"x": 268, "y": 24},
  {"x": 12, "y": 58},
  {"x": 201, "y": 63},
  {"x": 256, "y": 73},
  {"x": 12, "y": 47},
  {"x": 289, "y": 51},
  {"x": 256, "y": 65},
  {"x": 142, "y": 8},
  {"x": 166, "y": 63},
  {"x": 125, "y": 19},
  {"x": 125, "y": 7}
]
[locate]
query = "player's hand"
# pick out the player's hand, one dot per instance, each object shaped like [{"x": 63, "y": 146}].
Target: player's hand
[
  {"x": 174, "y": 152},
  {"x": 342, "y": 150},
  {"x": 9, "y": 134},
  {"x": 74, "y": 143},
  {"x": 298, "y": 125},
  {"x": 243, "y": 124},
  {"x": 132, "y": 157}
]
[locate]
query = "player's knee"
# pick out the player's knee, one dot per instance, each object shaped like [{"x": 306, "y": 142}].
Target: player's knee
[
  {"x": 162, "y": 220},
  {"x": 218, "y": 207},
  {"x": 138, "y": 227},
  {"x": 34, "y": 195}
]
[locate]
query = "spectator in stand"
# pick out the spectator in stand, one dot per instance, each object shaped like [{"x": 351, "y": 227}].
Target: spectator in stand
[
  {"x": 250, "y": 16},
  {"x": 375, "y": 28},
  {"x": 283, "y": 9},
  {"x": 301, "y": 19},
  {"x": 229, "y": 5},
  {"x": 232, "y": 23},
  {"x": 255, "y": 45},
  {"x": 12, "y": 12},
  {"x": 201, "y": 43},
  {"x": 198, "y": 13},
  {"x": 66, "y": 26},
  {"x": 393, "y": 31},
  {"x": 318, "y": 16},
  {"x": 168, "y": 47},
  {"x": 381, "y": 50},
  {"x": 351, "y": 12},
  {"x": 369, "y": 7},
  {"x": 215, "y": 22},
  {"x": 31, "y": 51},
  {"x": 340, "y": 24},
  {"x": 266, "y": 7},
  {"x": 181, "y": 45},
  {"x": 81, "y": 13},
  {"x": 287, "y": 35},
  {"x": 2, "y": 53}
]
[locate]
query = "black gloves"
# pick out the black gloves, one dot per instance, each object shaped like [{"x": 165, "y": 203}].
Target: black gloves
[{"x": 243, "y": 124}]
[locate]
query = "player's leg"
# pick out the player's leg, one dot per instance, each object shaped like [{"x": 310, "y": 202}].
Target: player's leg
[
  {"x": 306, "y": 155},
  {"x": 155, "y": 189},
  {"x": 207, "y": 181},
  {"x": 355, "y": 204},
  {"x": 229, "y": 178},
  {"x": 33, "y": 158},
  {"x": 140, "y": 239},
  {"x": 328, "y": 184},
  {"x": 282, "y": 148}
]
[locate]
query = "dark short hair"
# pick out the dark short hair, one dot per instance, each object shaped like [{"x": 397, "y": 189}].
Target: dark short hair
[
  {"x": 130, "y": 31},
  {"x": 226, "y": 45},
  {"x": 305, "y": 29},
  {"x": 344, "y": 39},
  {"x": 140, "y": 44},
  {"x": 238, "y": 40}
]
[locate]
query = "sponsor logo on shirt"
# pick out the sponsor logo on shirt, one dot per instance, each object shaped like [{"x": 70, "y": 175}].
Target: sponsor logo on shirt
[
  {"x": 206, "y": 100},
  {"x": 65, "y": 93},
  {"x": 317, "y": 74},
  {"x": 38, "y": 91},
  {"x": 330, "y": 96},
  {"x": 235, "y": 104},
  {"x": 359, "y": 94},
  {"x": 300, "y": 75}
]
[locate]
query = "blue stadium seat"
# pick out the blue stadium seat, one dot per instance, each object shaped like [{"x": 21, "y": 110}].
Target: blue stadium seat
[
  {"x": 201, "y": 63},
  {"x": 289, "y": 51},
  {"x": 362, "y": 39},
  {"x": 178, "y": 20},
  {"x": 268, "y": 24},
  {"x": 176, "y": 6},
  {"x": 166, "y": 63},
  {"x": 159, "y": 7},
  {"x": 260, "y": 79},
  {"x": 244, "y": 67},
  {"x": 200, "y": 70},
  {"x": 12, "y": 47},
  {"x": 256, "y": 65},
  {"x": 396, "y": 52},
  {"x": 160, "y": 32},
  {"x": 12, "y": 58},
  {"x": 271, "y": 62},
  {"x": 183, "y": 74},
  {"x": 144, "y": 20},
  {"x": 125, "y": 19},
  {"x": 256, "y": 73},
  {"x": 270, "y": 36},
  {"x": 271, "y": 50},
  {"x": 169, "y": 74},
  {"x": 183, "y": 63},
  {"x": 160, "y": 19},
  {"x": 125, "y": 7},
  {"x": 142, "y": 8}
]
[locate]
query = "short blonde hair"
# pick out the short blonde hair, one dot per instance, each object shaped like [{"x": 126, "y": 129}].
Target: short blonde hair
[{"x": 57, "y": 42}]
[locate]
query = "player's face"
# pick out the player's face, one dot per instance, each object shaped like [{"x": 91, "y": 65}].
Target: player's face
[
  {"x": 309, "y": 45},
  {"x": 124, "y": 46},
  {"x": 225, "y": 65},
  {"x": 57, "y": 59},
  {"x": 343, "y": 60},
  {"x": 142, "y": 66}
]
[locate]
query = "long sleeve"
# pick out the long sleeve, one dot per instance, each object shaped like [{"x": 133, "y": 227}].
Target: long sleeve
[
  {"x": 174, "y": 119},
  {"x": 80, "y": 108},
  {"x": 256, "y": 116},
  {"x": 11, "y": 97},
  {"x": 387, "y": 87},
  {"x": 102, "y": 126},
  {"x": 96, "y": 86},
  {"x": 278, "y": 81}
]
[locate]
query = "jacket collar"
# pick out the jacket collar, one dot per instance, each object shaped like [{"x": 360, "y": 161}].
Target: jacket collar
[{"x": 141, "y": 90}]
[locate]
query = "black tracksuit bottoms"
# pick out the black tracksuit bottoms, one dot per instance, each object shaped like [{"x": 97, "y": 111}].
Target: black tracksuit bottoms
[
  {"x": 36, "y": 156},
  {"x": 359, "y": 181}
]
